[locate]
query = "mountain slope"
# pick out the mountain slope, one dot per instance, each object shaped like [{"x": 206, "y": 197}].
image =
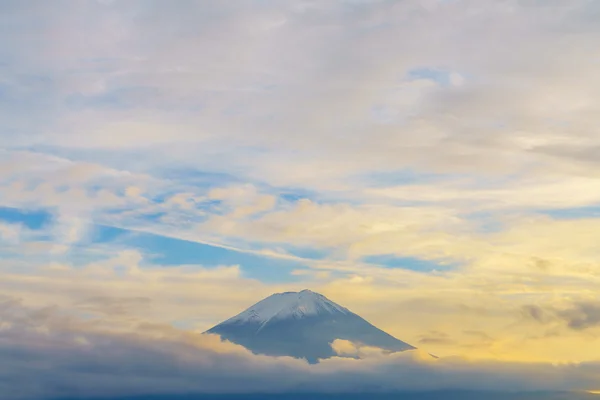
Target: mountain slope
[{"x": 302, "y": 325}]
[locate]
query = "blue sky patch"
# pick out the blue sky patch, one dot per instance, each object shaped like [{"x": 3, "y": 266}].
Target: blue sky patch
[
  {"x": 438, "y": 75},
  {"x": 107, "y": 234},
  {"x": 200, "y": 179},
  {"x": 573, "y": 213},
  {"x": 33, "y": 219},
  {"x": 174, "y": 252},
  {"x": 295, "y": 195},
  {"x": 411, "y": 263},
  {"x": 401, "y": 177}
]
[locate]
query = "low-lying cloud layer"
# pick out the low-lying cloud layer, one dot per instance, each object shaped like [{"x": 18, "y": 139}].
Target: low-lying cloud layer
[{"x": 48, "y": 354}]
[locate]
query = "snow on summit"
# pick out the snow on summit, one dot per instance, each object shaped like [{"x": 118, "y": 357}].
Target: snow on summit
[{"x": 288, "y": 305}]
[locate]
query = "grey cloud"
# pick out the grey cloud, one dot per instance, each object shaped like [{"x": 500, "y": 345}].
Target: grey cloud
[
  {"x": 578, "y": 315},
  {"x": 534, "y": 312},
  {"x": 114, "y": 305},
  {"x": 582, "y": 315},
  {"x": 435, "y": 337}
]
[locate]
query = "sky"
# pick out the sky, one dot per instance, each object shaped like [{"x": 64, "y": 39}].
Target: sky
[{"x": 429, "y": 164}]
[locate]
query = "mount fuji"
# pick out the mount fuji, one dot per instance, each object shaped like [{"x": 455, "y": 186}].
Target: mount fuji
[{"x": 302, "y": 325}]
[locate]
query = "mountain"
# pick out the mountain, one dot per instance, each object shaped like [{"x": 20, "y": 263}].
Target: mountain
[{"x": 302, "y": 325}]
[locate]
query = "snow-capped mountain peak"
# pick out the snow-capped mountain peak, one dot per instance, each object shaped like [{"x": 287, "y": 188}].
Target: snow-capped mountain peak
[
  {"x": 303, "y": 325},
  {"x": 288, "y": 305}
]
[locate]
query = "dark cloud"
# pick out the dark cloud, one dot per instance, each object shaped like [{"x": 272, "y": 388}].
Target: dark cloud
[
  {"x": 581, "y": 315},
  {"x": 577, "y": 316},
  {"x": 436, "y": 337}
]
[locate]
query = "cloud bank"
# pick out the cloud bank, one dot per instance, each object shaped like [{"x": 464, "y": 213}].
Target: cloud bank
[{"x": 48, "y": 354}]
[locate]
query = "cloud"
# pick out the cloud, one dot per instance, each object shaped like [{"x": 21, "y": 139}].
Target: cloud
[
  {"x": 582, "y": 315},
  {"x": 127, "y": 288},
  {"x": 10, "y": 232},
  {"x": 436, "y": 338},
  {"x": 113, "y": 306},
  {"x": 72, "y": 357},
  {"x": 578, "y": 315},
  {"x": 318, "y": 133},
  {"x": 506, "y": 117},
  {"x": 346, "y": 348},
  {"x": 245, "y": 200},
  {"x": 502, "y": 135}
]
